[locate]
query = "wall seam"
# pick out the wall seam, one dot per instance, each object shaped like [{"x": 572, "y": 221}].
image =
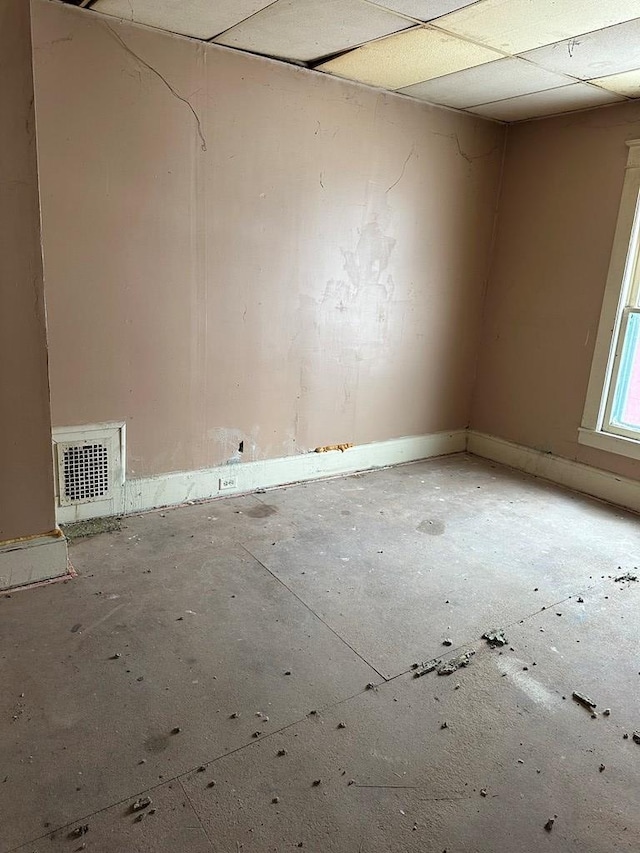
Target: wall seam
[{"x": 488, "y": 276}]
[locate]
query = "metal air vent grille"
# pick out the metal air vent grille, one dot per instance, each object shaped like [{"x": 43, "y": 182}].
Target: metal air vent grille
[{"x": 83, "y": 471}]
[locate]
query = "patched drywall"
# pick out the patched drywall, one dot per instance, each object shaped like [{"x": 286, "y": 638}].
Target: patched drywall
[
  {"x": 26, "y": 478},
  {"x": 561, "y": 192},
  {"x": 240, "y": 250}
]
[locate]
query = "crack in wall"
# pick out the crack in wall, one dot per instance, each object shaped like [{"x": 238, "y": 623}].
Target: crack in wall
[
  {"x": 468, "y": 157},
  {"x": 402, "y": 171},
  {"x": 125, "y": 46}
]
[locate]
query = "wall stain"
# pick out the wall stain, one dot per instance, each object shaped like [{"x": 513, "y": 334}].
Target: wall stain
[{"x": 371, "y": 257}]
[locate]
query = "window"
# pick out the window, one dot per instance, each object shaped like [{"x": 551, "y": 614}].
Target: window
[{"x": 612, "y": 412}]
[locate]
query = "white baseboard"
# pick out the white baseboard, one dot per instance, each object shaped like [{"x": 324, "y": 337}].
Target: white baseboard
[
  {"x": 170, "y": 489},
  {"x": 574, "y": 475},
  {"x": 27, "y": 561}
]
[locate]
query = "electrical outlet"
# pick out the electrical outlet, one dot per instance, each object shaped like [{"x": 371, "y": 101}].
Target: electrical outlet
[{"x": 227, "y": 483}]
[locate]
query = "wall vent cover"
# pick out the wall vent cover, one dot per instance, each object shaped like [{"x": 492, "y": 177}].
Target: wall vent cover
[
  {"x": 84, "y": 471},
  {"x": 89, "y": 463}
]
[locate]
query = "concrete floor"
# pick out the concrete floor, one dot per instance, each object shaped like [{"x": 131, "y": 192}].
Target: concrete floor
[{"x": 286, "y": 605}]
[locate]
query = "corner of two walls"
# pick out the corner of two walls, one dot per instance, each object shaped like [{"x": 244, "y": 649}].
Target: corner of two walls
[
  {"x": 237, "y": 250},
  {"x": 561, "y": 188},
  {"x": 31, "y": 548}
]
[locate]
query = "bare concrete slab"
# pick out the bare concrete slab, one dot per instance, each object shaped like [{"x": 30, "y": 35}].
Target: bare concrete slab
[
  {"x": 98, "y": 672},
  {"x": 395, "y": 779},
  {"x": 441, "y": 549},
  {"x": 167, "y": 825},
  {"x": 156, "y": 669}
]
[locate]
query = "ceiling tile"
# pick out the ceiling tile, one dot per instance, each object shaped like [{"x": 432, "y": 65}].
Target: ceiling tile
[
  {"x": 423, "y": 10},
  {"x": 197, "y": 18},
  {"x": 577, "y": 96},
  {"x": 309, "y": 29},
  {"x": 407, "y": 58},
  {"x": 518, "y": 25},
  {"x": 627, "y": 83},
  {"x": 604, "y": 52},
  {"x": 494, "y": 81}
]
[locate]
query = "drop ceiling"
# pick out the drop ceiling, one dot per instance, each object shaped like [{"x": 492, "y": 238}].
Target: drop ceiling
[{"x": 508, "y": 60}]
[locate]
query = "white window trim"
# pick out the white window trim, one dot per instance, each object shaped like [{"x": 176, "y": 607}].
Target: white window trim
[{"x": 619, "y": 278}]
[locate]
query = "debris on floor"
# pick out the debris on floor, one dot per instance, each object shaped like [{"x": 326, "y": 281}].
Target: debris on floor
[
  {"x": 456, "y": 663},
  {"x": 583, "y": 700},
  {"x": 447, "y": 642},
  {"x": 91, "y": 527},
  {"x": 140, "y": 804},
  {"x": 426, "y": 667},
  {"x": 79, "y": 831},
  {"x": 549, "y": 824},
  {"x": 495, "y": 637},
  {"x": 627, "y": 577},
  {"x": 636, "y": 737},
  {"x": 329, "y": 447}
]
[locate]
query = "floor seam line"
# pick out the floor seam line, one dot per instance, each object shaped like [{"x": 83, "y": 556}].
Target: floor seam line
[
  {"x": 179, "y": 776},
  {"x": 193, "y": 809},
  {"x": 521, "y": 621},
  {"x": 312, "y": 611}
]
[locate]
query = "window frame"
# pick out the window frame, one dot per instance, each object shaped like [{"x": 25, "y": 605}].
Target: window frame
[{"x": 621, "y": 298}]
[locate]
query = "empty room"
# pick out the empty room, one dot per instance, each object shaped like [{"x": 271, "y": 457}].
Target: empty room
[{"x": 320, "y": 426}]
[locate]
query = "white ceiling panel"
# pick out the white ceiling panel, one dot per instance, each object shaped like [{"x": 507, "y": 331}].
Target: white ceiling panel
[
  {"x": 577, "y": 96},
  {"x": 495, "y": 81},
  {"x": 518, "y": 25},
  {"x": 305, "y": 30},
  {"x": 508, "y": 60},
  {"x": 604, "y": 52},
  {"x": 198, "y": 18},
  {"x": 627, "y": 83},
  {"x": 423, "y": 10},
  {"x": 409, "y": 57}
]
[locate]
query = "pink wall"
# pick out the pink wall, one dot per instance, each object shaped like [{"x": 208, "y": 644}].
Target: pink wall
[
  {"x": 26, "y": 479},
  {"x": 315, "y": 276},
  {"x": 560, "y": 195}
]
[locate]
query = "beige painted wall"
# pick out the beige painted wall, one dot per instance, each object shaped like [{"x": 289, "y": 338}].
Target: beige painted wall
[
  {"x": 314, "y": 276},
  {"x": 26, "y": 479},
  {"x": 559, "y": 203}
]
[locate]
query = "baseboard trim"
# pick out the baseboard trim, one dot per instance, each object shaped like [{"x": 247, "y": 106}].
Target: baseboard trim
[
  {"x": 573, "y": 475},
  {"x": 178, "y": 488},
  {"x": 28, "y": 561}
]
